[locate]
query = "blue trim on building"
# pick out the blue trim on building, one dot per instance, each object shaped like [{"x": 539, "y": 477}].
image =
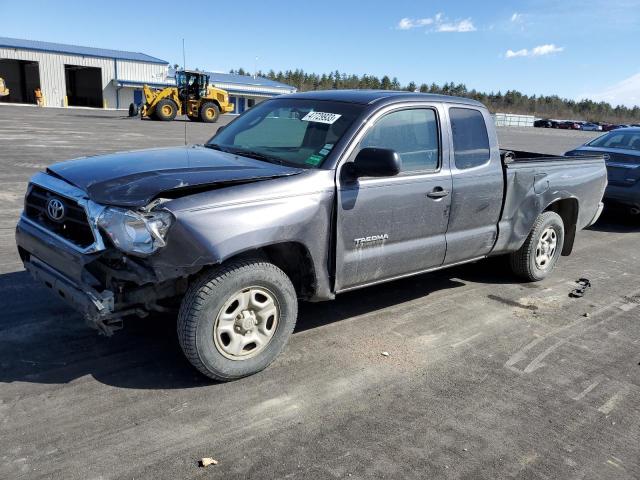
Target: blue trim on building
[
  {"x": 135, "y": 83},
  {"x": 49, "y": 47}
]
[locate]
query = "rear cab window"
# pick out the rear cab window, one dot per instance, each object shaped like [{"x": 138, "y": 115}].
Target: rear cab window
[{"x": 470, "y": 138}]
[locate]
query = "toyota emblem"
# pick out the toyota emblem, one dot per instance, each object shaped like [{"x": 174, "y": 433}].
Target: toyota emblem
[{"x": 55, "y": 209}]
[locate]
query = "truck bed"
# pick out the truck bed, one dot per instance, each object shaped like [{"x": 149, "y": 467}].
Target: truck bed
[{"x": 533, "y": 181}]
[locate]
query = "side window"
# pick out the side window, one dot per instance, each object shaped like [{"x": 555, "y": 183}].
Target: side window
[
  {"x": 615, "y": 141},
  {"x": 470, "y": 138},
  {"x": 413, "y": 134}
]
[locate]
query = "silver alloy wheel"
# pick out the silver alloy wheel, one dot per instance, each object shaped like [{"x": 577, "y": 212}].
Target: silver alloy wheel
[
  {"x": 246, "y": 323},
  {"x": 546, "y": 248}
]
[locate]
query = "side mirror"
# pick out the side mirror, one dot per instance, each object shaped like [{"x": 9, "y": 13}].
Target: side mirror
[
  {"x": 376, "y": 162},
  {"x": 220, "y": 128}
]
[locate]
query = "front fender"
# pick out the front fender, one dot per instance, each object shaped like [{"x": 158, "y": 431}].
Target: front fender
[{"x": 210, "y": 234}]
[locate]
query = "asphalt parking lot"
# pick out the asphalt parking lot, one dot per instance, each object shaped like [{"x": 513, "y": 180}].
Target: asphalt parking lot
[{"x": 486, "y": 377}]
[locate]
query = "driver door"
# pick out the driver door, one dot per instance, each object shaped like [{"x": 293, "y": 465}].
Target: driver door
[{"x": 394, "y": 226}]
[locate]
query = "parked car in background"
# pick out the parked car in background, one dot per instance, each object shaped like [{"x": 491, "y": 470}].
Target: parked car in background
[
  {"x": 607, "y": 127},
  {"x": 622, "y": 147},
  {"x": 545, "y": 123},
  {"x": 590, "y": 127},
  {"x": 569, "y": 125}
]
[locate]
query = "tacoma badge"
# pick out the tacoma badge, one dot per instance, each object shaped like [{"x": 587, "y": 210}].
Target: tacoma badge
[{"x": 371, "y": 239}]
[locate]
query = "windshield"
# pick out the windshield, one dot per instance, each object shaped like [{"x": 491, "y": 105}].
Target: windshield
[
  {"x": 295, "y": 132},
  {"x": 624, "y": 140}
]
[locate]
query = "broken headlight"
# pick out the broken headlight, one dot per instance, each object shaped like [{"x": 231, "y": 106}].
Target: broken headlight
[{"x": 138, "y": 233}]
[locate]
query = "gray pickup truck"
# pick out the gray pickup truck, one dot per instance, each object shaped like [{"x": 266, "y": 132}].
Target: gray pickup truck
[{"x": 304, "y": 196}]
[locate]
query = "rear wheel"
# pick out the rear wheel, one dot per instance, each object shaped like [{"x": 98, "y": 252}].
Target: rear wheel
[
  {"x": 236, "y": 319},
  {"x": 166, "y": 110},
  {"x": 538, "y": 256},
  {"x": 209, "y": 112}
]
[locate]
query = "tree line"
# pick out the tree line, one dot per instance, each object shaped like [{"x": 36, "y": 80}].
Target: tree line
[{"x": 511, "y": 101}]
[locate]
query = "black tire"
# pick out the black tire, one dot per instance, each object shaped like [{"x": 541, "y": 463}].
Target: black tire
[
  {"x": 209, "y": 112},
  {"x": 523, "y": 262},
  {"x": 205, "y": 300},
  {"x": 133, "y": 110},
  {"x": 165, "y": 110}
]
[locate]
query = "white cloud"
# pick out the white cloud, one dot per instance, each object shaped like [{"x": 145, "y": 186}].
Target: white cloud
[
  {"x": 538, "y": 51},
  {"x": 438, "y": 23},
  {"x": 516, "y": 17},
  {"x": 461, "y": 26},
  {"x": 546, "y": 50},
  {"x": 518, "y": 53},
  {"x": 409, "y": 23},
  {"x": 626, "y": 92}
]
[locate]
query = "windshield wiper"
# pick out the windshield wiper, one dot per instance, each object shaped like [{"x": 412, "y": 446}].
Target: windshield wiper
[
  {"x": 258, "y": 155},
  {"x": 215, "y": 146}
]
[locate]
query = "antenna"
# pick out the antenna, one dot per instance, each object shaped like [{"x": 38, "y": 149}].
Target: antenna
[{"x": 184, "y": 67}]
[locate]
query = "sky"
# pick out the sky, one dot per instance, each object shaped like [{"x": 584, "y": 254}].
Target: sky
[{"x": 572, "y": 48}]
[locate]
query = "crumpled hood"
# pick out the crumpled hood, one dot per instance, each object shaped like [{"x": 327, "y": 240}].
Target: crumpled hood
[{"x": 134, "y": 179}]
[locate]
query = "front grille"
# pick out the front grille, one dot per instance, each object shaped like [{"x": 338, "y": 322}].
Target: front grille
[{"x": 73, "y": 226}]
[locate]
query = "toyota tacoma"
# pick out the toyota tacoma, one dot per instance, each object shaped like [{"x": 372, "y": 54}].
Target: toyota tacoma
[{"x": 303, "y": 197}]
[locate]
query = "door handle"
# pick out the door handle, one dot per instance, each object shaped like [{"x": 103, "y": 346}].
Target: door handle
[{"x": 438, "y": 192}]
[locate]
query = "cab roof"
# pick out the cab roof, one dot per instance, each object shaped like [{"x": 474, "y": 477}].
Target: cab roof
[{"x": 368, "y": 97}]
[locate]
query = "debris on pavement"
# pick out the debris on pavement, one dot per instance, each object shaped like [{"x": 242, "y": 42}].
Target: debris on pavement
[
  {"x": 205, "y": 462},
  {"x": 578, "y": 292},
  {"x": 384, "y": 354}
]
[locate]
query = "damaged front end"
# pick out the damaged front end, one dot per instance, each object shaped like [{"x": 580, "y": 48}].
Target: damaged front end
[{"x": 95, "y": 257}]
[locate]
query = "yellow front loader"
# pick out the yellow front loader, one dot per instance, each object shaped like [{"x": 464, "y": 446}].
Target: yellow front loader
[
  {"x": 4, "y": 91},
  {"x": 192, "y": 96}
]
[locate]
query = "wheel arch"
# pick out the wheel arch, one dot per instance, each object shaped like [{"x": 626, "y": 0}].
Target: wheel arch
[
  {"x": 568, "y": 209},
  {"x": 293, "y": 258}
]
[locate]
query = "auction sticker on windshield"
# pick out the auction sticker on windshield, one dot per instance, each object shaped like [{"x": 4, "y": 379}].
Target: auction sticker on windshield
[{"x": 321, "y": 117}]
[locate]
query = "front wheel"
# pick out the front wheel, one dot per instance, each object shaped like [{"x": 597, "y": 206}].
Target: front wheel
[
  {"x": 166, "y": 110},
  {"x": 538, "y": 256},
  {"x": 209, "y": 112},
  {"x": 236, "y": 319}
]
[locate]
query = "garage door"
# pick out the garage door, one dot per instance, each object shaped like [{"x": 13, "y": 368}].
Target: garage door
[
  {"x": 21, "y": 78},
  {"x": 84, "y": 86}
]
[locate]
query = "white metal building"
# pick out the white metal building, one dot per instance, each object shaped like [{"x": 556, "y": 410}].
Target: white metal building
[{"x": 70, "y": 75}]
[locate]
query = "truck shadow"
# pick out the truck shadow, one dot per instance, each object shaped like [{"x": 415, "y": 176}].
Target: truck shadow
[
  {"x": 617, "y": 220},
  {"x": 43, "y": 341}
]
